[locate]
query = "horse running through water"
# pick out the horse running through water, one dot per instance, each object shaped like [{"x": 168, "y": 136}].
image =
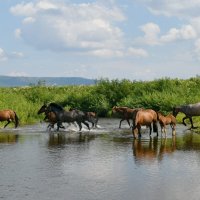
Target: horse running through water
[
  {"x": 9, "y": 116},
  {"x": 67, "y": 116},
  {"x": 49, "y": 117},
  {"x": 189, "y": 110},
  {"x": 166, "y": 120},
  {"x": 89, "y": 116},
  {"x": 144, "y": 118},
  {"x": 125, "y": 112}
]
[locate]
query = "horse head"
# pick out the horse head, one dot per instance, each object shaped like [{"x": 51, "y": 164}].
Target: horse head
[
  {"x": 175, "y": 111},
  {"x": 42, "y": 109}
]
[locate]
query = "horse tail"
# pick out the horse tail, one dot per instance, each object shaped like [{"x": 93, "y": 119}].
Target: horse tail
[
  {"x": 155, "y": 125},
  {"x": 16, "y": 120}
]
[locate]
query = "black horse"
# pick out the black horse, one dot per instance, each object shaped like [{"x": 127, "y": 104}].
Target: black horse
[{"x": 67, "y": 116}]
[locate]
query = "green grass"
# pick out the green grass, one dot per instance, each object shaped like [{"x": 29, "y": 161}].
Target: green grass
[{"x": 160, "y": 95}]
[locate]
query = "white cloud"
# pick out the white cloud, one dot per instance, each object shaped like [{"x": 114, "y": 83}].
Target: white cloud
[
  {"x": 57, "y": 26},
  {"x": 138, "y": 52},
  {"x": 152, "y": 34},
  {"x": 29, "y": 20},
  {"x": 24, "y": 9},
  {"x": 178, "y": 8},
  {"x": 107, "y": 53},
  {"x": 3, "y": 56},
  {"x": 185, "y": 32}
]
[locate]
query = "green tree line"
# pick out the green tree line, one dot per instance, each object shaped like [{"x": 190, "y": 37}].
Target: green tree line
[{"x": 160, "y": 95}]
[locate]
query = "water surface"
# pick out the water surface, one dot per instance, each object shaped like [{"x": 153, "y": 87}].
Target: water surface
[{"x": 104, "y": 163}]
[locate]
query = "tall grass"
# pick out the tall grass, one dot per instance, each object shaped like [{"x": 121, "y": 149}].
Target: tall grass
[{"x": 161, "y": 94}]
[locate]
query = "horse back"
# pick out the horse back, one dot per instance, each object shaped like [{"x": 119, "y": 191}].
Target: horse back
[
  {"x": 145, "y": 117},
  {"x": 7, "y": 114}
]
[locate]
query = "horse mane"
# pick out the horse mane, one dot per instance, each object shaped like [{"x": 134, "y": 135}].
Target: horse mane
[{"x": 55, "y": 105}]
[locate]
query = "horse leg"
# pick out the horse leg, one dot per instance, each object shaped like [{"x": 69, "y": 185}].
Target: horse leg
[
  {"x": 58, "y": 125},
  {"x": 183, "y": 120},
  {"x": 128, "y": 122},
  {"x": 7, "y": 123},
  {"x": 121, "y": 122},
  {"x": 139, "y": 131},
  {"x": 50, "y": 126},
  {"x": 150, "y": 128},
  {"x": 165, "y": 130},
  {"x": 61, "y": 126},
  {"x": 86, "y": 125},
  {"x": 155, "y": 127},
  {"x": 173, "y": 129},
  {"x": 162, "y": 129},
  {"x": 192, "y": 126},
  {"x": 80, "y": 126},
  {"x": 134, "y": 131}
]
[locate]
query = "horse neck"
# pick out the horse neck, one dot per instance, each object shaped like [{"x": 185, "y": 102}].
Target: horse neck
[{"x": 159, "y": 115}]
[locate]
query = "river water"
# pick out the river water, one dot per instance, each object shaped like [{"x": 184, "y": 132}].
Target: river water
[{"x": 104, "y": 163}]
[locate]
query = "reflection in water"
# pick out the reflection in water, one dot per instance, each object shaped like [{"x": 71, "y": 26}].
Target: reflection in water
[
  {"x": 153, "y": 149},
  {"x": 8, "y": 138},
  {"x": 190, "y": 141},
  {"x": 98, "y": 164},
  {"x": 62, "y": 139}
]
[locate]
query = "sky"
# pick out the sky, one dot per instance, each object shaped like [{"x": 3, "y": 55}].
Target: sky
[{"x": 114, "y": 39}]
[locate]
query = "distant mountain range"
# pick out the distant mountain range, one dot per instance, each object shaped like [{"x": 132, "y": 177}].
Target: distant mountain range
[{"x": 14, "y": 81}]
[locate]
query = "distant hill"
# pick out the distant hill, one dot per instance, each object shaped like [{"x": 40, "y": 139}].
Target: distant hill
[{"x": 14, "y": 81}]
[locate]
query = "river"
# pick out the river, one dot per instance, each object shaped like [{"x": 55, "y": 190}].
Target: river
[{"x": 103, "y": 163}]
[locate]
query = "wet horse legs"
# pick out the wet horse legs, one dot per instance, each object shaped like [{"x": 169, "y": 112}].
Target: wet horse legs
[
  {"x": 122, "y": 121},
  {"x": 190, "y": 118},
  {"x": 9, "y": 120}
]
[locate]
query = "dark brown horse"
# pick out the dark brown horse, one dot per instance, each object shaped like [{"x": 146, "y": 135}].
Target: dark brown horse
[
  {"x": 144, "y": 118},
  {"x": 166, "y": 120},
  {"x": 93, "y": 118},
  {"x": 89, "y": 116},
  {"x": 189, "y": 110},
  {"x": 9, "y": 116},
  {"x": 65, "y": 116},
  {"x": 126, "y": 113},
  {"x": 49, "y": 117}
]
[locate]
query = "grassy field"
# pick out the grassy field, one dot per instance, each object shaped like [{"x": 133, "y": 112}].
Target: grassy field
[{"x": 160, "y": 95}]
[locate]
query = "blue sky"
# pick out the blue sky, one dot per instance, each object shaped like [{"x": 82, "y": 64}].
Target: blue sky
[{"x": 131, "y": 39}]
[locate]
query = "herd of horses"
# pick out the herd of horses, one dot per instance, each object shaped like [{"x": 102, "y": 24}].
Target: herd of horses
[{"x": 56, "y": 114}]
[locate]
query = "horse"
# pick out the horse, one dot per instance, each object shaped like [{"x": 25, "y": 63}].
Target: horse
[
  {"x": 166, "y": 120},
  {"x": 9, "y": 116},
  {"x": 126, "y": 113},
  {"x": 189, "y": 110},
  {"x": 67, "y": 116},
  {"x": 89, "y": 116},
  {"x": 144, "y": 118},
  {"x": 93, "y": 118},
  {"x": 49, "y": 117}
]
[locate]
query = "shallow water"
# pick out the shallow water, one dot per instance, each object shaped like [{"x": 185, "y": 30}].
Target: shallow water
[{"x": 104, "y": 163}]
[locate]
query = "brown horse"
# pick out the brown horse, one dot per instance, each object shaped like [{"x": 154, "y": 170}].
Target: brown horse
[
  {"x": 144, "y": 118},
  {"x": 49, "y": 117},
  {"x": 125, "y": 112},
  {"x": 166, "y": 120},
  {"x": 9, "y": 116}
]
